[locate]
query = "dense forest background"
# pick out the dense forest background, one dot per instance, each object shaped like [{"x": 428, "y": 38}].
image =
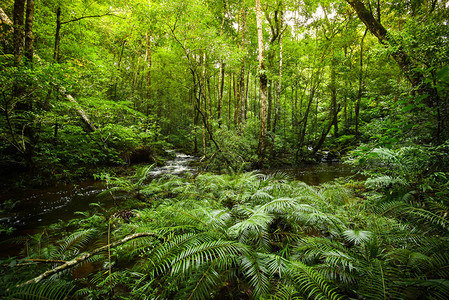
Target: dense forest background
[
  {"x": 87, "y": 84},
  {"x": 90, "y": 85}
]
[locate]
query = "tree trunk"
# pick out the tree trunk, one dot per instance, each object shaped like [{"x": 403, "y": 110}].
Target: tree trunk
[
  {"x": 230, "y": 99},
  {"x": 195, "y": 120},
  {"x": 246, "y": 96},
  {"x": 324, "y": 134},
  {"x": 19, "y": 10},
  {"x": 263, "y": 87},
  {"x": 269, "y": 103},
  {"x": 242, "y": 70},
  {"x": 6, "y": 32},
  {"x": 333, "y": 89},
  {"x": 86, "y": 120},
  {"x": 221, "y": 75},
  {"x": 305, "y": 118},
  {"x": 148, "y": 60},
  {"x": 57, "y": 35},
  {"x": 400, "y": 56},
  {"x": 116, "y": 79},
  {"x": 221, "y": 79},
  {"x": 236, "y": 101},
  {"x": 360, "y": 92},
  {"x": 279, "y": 85},
  {"x": 29, "y": 37}
]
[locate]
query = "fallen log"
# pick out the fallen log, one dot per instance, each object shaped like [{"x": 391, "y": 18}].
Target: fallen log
[{"x": 85, "y": 118}]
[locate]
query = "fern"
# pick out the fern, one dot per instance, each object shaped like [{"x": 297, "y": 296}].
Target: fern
[
  {"x": 71, "y": 245},
  {"x": 51, "y": 289},
  {"x": 255, "y": 271},
  {"x": 311, "y": 284},
  {"x": 357, "y": 236}
]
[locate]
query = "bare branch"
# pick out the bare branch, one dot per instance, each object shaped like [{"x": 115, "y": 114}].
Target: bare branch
[
  {"x": 93, "y": 16},
  {"x": 83, "y": 257}
]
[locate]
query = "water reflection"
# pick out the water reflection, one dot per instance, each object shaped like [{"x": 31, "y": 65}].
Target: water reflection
[
  {"x": 37, "y": 207},
  {"x": 316, "y": 174}
]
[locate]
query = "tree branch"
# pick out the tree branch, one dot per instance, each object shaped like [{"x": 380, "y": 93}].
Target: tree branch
[
  {"x": 83, "y": 257},
  {"x": 4, "y": 18},
  {"x": 79, "y": 109},
  {"x": 93, "y": 16}
]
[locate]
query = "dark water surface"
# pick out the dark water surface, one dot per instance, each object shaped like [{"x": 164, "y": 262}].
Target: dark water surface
[
  {"x": 318, "y": 173},
  {"x": 30, "y": 210},
  {"x": 36, "y": 207}
]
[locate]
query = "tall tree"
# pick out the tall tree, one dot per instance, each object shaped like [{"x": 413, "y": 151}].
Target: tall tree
[
  {"x": 19, "y": 32},
  {"x": 29, "y": 37},
  {"x": 399, "y": 54},
  {"x": 360, "y": 89},
  {"x": 263, "y": 87}
]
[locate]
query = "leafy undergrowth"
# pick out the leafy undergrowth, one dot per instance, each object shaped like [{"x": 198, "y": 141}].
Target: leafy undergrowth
[{"x": 239, "y": 236}]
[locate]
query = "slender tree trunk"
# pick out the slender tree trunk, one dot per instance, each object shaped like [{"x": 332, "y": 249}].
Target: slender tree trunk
[
  {"x": 263, "y": 87},
  {"x": 210, "y": 96},
  {"x": 333, "y": 89},
  {"x": 230, "y": 99},
  {"x": 29, "y": 37},
  {"x": 256, "y": 99},
  {"x": 360, "y": 91},
  {"x": 195, "y": 120},
  {"x": 148, "y": 60},
  {"x": 279, "y": 85},
  {"x": 324, "y": 134},
  {"x": 19, "y": 33},
  {"x": 246, "y": 96},
  {"x": 242, "y": 70},
  {"x": 236, "y": 91},
  {"x": 305, "y": 118},
  {"x": 221, "y": 76},
  {"x": 118, "y": 70},
  {"x": 221, "y": 80},
  {"x": 57, "y": 35},
  {"x": 269, "y": 104}
]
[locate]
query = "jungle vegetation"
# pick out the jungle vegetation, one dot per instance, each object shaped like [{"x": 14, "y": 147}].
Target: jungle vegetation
[{"x": 89, "y": 86}]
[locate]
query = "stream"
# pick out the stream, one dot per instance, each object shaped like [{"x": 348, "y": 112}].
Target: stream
[{"x": 27, "y": 211}]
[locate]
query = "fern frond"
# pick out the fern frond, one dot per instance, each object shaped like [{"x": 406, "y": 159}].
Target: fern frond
[
  {"x": 209, "y": 278},
  {"x": 311, "y": 284},
  {"x": 357, "y": 236},
  {"x": 50, "y": 289},
  {"x": 384, "y": 181},
  {"x": 72, "y": 244},
  {"x": 286, "y": 292},
  {"x": 195, "y": 256},
  {"x": 256, "y": 272}
]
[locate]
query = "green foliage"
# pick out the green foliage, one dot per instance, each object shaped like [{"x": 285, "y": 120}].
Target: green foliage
[
  {"x": 55, "y": 289},
  {"x": 148, "y": 72},
  {"x": 260, "y": 236}
]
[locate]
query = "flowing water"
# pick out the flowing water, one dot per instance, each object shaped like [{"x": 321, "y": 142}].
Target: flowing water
[
  {"x": 29, "y": 210},
  {"x": 179, "y": 165}
]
